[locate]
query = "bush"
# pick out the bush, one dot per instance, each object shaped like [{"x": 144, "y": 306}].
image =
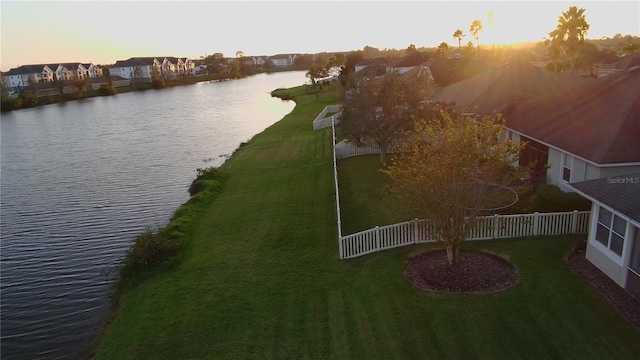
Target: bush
[
  {"x": 106, "y": 90},
  {"x": 158, "y": 83},
  {"x": 549, "y": 198},
  {"x": 210, "y": 175},
  {"x": 149, "y": 250}
]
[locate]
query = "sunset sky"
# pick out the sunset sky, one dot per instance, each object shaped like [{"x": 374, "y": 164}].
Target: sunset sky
[{"x": 103, "y": 32}]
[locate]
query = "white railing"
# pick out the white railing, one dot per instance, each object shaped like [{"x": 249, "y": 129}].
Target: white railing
[
  {"x": 487, "y": 227},
  {"x": 322, "y": 120},
  {"x": 345, "y": 149}
]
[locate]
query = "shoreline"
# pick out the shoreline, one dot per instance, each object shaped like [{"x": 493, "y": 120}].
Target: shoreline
[{"x": 192, "y": 211}]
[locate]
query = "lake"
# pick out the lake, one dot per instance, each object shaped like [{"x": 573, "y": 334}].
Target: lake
[{"x": 80, "y": 180}]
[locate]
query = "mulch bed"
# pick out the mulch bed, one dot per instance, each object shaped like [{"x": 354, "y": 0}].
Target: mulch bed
[
  {"x": 475, "y": 272},
  {"x": 622, "y": 300},
  {"x": 484, "y": 273}
]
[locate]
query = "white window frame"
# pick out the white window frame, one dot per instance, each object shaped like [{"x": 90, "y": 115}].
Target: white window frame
[
  {"x": 634, "y": 264},
  {"x": 567, "y": 164},
  {"x": 609, "y": 227}
]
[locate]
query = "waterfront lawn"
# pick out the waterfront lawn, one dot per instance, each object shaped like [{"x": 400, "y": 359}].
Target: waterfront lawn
[{"x": 262, "y": 280}]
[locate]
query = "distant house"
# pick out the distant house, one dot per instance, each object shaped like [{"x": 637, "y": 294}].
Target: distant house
[
  {"x": 613, "y": 243},
  {"x": 619, "y": 65},
  {"x": 143, "y": 69},
  {"x": 370, "y": 67},
  {"x": 23, "y": 76},
  {"x": 258, "y": 61},
  {"x": 283, "y": 60}
]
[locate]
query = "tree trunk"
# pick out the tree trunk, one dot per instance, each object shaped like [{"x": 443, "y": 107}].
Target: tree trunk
[
  {"x": 383, "y": 155},
  {"x": 452, "y": 252}
]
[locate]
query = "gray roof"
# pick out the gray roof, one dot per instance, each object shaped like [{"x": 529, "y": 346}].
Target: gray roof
[{"x": 621, "y": 193}]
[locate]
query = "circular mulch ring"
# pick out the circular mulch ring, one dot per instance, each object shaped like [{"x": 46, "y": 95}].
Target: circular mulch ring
[{"x": 474, "y": 273}]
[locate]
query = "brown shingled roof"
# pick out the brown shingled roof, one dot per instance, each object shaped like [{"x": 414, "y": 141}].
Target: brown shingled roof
[
  {"x": 599, "y": 122},
  {"x": 500, "y": 89}
]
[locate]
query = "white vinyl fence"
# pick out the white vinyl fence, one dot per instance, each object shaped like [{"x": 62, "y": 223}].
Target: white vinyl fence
[
  {"x": 345, "y": 149},
  {"x": 422, "y": 231},
  {"x": 323, "y": 121},
  {"x": 488, "y": 227}
]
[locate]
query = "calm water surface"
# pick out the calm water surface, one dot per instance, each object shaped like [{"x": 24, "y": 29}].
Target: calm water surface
[{"x": 80, "y": 180}]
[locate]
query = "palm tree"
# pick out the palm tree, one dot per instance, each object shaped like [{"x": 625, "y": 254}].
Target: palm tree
[
  {"x": 570, "y": 32},
  {"x": 459, "y": 35},
  {"x": 443, "y": 48},
  {"x": 476, "y": 27},
  {"x": 629, "y": 47},
  {"x": 554, "y": 51}
]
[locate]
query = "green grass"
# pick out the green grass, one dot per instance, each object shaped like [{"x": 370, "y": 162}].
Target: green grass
[{"x": 262, "y": 279}]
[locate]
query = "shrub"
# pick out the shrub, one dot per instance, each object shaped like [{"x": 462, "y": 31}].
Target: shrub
[
  {"x": 210, "y": 175},
  {"x": 149, "y": 250},
  {"x": 158, "y": 83},
  {"x": 106, "y": 90},
  {"x": 549, "y": 198}
]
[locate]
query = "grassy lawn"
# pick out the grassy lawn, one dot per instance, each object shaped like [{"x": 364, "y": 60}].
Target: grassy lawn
[{"x": 262, "y": 278}]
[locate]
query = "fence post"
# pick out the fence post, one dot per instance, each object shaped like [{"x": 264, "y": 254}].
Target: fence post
[
  {"x": 496, "y": 226},
  {"x": 574, "y": 222},
  {"x": 536, "y": 221},
  {"x": 416, "y": 233},
  {"x": 377, "y": 238}
]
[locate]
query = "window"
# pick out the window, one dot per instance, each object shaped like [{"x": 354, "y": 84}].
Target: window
[
  {"x": 610, "y": 231},
  {"x": 635, "y": 257},
  {"x": 567, "y": 162}
]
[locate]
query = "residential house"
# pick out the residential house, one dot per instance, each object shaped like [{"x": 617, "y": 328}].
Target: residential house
[
  {"x": 370, "y": 67},
  {"x": 589, "y": 132},
  {"x": 613, "y": 242},
  {"x": 143, "y": 69},
  {"x": 138, "y": 69},
  {"x": 258, "y": 61},
  {"x": 283, "y": 60},
  {"x": 618, "y": 65},
  {"x": 23, "y": 76},
  {"x": 501, "y": 89},
  {"x": 586, "y": 133}
]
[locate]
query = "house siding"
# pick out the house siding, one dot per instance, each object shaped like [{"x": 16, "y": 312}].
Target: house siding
[{"x": 581, "y": 170}]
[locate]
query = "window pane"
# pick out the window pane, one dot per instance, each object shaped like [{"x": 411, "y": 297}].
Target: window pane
[
  {"x": 619, "y": 225},
  {"x": 616, "y": 244},
  {"x": 604, "y": 216},
  {"x": 602, "y": 235},
  {"x": 568, "y": 161},
  {"x": 635, "y": 259},
  {"x": 566, "y": 174}
]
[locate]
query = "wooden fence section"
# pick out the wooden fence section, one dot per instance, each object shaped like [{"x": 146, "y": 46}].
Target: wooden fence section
[
  {"x": 488, "y": 227},
  {"x": 323, "y": 121}
]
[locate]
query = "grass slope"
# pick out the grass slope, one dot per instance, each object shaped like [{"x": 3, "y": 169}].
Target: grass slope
[{"x": 262, "y": 280}]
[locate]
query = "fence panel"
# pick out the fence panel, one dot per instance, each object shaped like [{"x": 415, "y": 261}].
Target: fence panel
[
  {"x": 488, "y": 227},
  {"x": 396, "y": 235}
]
